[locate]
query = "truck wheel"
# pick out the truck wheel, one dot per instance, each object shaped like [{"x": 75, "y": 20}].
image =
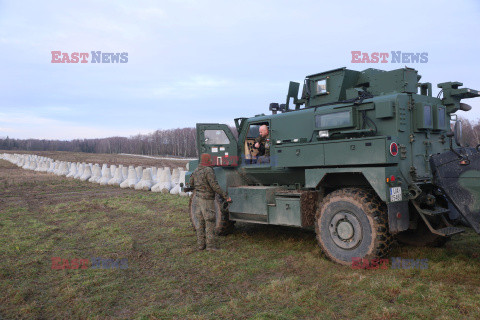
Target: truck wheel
[
  {"x": 224, "y": 226},
  {"x": 422, "y": 237},
  {"x": 352, "y": 223}
]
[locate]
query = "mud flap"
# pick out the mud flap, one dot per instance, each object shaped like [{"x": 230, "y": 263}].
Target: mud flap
[
  {"x": 458, "y": 175},
  {"x": 398, "y": 216}
]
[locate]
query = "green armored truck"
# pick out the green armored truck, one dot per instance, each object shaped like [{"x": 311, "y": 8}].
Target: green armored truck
[{"x": 361, "y": 157}]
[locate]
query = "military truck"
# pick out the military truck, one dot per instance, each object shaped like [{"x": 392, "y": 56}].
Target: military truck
[{"x": 362, "y": 157}]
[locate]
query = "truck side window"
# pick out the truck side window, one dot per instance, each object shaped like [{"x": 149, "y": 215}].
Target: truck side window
[
  {"x": 253, "y": 131},
  {"x": 216, "y": 137},
  {"x": 329, "y": 120}
]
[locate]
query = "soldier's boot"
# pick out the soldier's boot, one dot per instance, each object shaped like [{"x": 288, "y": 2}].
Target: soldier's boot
[
  {"x": 201, "y": 244},
  {"x": 210, "y": 235}
]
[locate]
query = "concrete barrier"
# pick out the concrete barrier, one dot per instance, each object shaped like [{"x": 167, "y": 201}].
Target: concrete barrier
[
  {"x": 87, "y": 173},
  {"x": 106, "y": 176},
  {"x": 80, "y": 171},
  {"x": 131, "y": 180},
  {"x": 73, "y": 171},
  {"x": 153, "y": 178},
  {"x": 146, "y": 182},
  {"x": 118, "y": 177},
  {"x": 96, "y": 173}
]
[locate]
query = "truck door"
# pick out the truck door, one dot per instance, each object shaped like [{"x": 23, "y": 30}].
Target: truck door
[{"x": 218, "y": 141}]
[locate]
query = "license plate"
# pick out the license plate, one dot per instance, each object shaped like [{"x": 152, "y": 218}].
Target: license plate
[{"x": 395, "y": 194}]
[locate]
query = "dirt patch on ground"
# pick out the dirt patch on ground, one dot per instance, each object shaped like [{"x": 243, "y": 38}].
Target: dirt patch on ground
[{"x": 20, "y": 186}]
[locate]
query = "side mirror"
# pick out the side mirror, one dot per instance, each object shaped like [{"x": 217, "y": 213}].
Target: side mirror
[
  {"x": 293, "y": 88},
  {"x": 458, "y": 133},
  {"x": 181, "y": 184}
]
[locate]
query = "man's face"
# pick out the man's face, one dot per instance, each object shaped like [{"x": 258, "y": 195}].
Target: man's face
[{"x": 263, "y": 131}]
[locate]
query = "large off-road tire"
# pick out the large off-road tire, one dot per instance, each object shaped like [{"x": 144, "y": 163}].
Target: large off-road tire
[
  {"x": 223, "y": 225},
  {"x": 352, "y": 223},
  {"x": 422, "y": 236}
]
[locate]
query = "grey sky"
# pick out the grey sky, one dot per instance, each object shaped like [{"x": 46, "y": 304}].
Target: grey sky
[{"x": 206, "y": 61}]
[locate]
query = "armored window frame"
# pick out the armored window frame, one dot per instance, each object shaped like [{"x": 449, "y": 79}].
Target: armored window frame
[
  {"x": 424, "y": 116},
  {"x": 427, "y": 116},
  {"x": 439, "y": 118},
  {"x": 320, "y": 86},
  {"x": 344, "y": 119}
]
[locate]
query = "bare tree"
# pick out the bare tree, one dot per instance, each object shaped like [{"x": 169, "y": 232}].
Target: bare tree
[{"x": 175, "y": 142}]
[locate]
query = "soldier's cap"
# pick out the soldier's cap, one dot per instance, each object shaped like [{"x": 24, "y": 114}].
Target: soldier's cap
[{"x": 206, "y": 160}]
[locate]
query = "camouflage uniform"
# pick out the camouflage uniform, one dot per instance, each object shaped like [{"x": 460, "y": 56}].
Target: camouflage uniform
[
  {"x": 205, "y": 185},
  {"x": 264, "y": 149}
]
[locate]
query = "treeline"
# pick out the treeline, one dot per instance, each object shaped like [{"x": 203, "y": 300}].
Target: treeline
[
  {"x": 175, "y": 142},
  {"x": 179, "y": 142}
]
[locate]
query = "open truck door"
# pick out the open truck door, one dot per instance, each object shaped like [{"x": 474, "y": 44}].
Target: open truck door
[{"x": 218, "y": 141}]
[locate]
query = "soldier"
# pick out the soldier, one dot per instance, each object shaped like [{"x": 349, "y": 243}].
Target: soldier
[
  {"x": 205, "y": 184},
  {"x": 262, "y": 143}
]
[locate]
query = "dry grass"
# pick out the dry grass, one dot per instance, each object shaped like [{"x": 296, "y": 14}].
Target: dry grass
[{"x": 262, "y": 272}]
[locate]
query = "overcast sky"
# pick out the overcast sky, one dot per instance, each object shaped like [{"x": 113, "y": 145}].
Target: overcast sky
[{"x": 206, "y": 61}]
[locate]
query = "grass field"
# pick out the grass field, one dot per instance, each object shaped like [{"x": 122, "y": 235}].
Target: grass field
[{"x": 262, "y": 272}]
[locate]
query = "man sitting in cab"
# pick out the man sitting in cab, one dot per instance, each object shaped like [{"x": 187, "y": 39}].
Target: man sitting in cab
[{"x": 262, "y": 144}]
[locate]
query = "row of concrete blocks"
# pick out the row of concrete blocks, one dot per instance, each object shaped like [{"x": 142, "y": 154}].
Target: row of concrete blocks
[{"x": 138, "y": 178}]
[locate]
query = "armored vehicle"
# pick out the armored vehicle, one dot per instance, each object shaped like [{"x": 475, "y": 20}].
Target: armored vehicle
[{"x": 361, "y": 157}]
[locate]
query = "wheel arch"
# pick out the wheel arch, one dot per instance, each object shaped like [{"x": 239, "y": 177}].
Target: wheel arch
[
  {"x": 330, "y": 179},
  {"x": 336, "y": 178}
]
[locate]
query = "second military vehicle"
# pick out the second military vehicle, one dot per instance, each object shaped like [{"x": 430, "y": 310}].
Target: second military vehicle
[{"x": 361, "y": 157}]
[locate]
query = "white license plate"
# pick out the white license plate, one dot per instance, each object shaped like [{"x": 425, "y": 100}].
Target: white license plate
[{"x": 395, "y": 194}]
